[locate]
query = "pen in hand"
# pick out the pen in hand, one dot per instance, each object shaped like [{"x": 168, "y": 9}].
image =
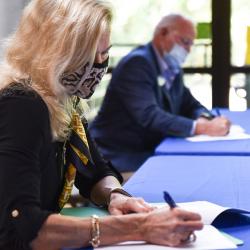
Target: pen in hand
[{"x": 170, "y": 201}]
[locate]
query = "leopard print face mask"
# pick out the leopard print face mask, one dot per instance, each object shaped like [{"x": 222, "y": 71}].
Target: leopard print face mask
[{"x": 83, "y": 82}]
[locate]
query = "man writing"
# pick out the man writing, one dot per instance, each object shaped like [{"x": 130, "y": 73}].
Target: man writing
[{"x": 138, "y": 112}]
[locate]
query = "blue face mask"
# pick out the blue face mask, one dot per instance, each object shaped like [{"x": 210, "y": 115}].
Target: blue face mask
[{"x": 176, "y": 57}]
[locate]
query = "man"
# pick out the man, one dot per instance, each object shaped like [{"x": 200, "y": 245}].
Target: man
[{"x": 138, "y": 112}]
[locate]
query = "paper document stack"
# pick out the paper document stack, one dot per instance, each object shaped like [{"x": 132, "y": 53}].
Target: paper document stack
[{"x": 236, "y": 133}]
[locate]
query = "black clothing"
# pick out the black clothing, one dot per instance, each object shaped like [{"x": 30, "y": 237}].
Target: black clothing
[{"x": 31, "y": 172}]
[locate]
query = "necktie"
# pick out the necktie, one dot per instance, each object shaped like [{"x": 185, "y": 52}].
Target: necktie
[
  {"x": 77, "y": 157},
  {"x": 169, "y": 75}
]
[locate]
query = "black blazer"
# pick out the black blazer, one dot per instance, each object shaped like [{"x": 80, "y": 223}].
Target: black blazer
[{"x": 31, "y": 168}]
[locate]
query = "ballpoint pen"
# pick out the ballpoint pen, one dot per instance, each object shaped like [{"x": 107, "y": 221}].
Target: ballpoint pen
[
  {"x": 217, "y": 112},
  {"x": 170, "y": 201}
]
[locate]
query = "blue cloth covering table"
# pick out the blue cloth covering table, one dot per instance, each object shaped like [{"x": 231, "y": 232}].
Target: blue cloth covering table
[
  {"x": 238, "y": 117},
  {"x": 222, "y": 180},
  {"x": 180, "y": 146}
]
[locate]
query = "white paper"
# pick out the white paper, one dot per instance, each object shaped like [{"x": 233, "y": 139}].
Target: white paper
[
  {"x": 236, "y": 133},
  {"x": 207, "y": 210},
  {"x": 208, "y": 238}
]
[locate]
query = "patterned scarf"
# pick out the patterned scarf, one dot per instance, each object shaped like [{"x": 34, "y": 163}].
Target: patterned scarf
[{"x": 77, "y": 157}]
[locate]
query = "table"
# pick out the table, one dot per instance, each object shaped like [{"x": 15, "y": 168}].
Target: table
[
  {"x": 180, "y": 146},
  {"x": 222, "y": 180},
  {"x": 238, "y": 117}
]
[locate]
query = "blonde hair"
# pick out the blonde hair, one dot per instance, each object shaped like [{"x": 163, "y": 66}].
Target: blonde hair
[{"x": 53, "y": 37}]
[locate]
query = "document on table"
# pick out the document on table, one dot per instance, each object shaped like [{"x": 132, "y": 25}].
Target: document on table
[
  {"x": 209, "y": 211},
  {"x": 236, "y": 133},
  {"x": 208, "y": 238}
]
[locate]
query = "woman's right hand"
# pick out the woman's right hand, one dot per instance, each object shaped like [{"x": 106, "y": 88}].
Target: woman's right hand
[{"x": 170, "y": 227}]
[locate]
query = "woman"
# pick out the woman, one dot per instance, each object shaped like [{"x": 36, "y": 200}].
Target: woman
[{"x": 58, "y": 54}]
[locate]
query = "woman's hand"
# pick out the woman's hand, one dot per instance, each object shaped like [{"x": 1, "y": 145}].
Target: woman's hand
[
  {"x": 170, "y": 227},
  {"x": 122, "y": 204}
]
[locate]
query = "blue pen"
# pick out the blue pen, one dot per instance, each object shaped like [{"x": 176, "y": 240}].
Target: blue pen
[
  {"x": 218, "y": 111},
  {"x": 170, "y": 201}
]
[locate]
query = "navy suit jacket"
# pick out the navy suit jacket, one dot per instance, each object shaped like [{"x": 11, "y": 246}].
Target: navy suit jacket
[{"x": 137, "y": 113}]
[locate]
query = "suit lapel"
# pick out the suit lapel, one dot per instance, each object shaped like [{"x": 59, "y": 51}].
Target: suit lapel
[{"x": 168, "y": 99}]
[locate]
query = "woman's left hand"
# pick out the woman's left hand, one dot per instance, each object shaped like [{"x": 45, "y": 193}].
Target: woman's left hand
[{"x": 122, "y": 204}]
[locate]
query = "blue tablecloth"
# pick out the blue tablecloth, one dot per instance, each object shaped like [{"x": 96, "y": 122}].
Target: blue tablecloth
[
  {"x": 222, "y": 180},
  {"x": 238, "y": 117},
  {"x": 180, "y": 146}
]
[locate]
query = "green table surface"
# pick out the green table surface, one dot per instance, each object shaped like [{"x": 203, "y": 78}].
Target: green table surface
[{"x": 84, "y": 211}]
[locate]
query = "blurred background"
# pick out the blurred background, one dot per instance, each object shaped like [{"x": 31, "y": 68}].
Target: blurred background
[{"x": 217, "y": 70}]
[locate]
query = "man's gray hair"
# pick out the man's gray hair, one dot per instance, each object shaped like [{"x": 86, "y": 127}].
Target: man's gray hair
[{"x": 171, "y": 21}]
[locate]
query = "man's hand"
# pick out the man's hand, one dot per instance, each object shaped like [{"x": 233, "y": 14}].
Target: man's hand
[{"x": 219, "y": 126}]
